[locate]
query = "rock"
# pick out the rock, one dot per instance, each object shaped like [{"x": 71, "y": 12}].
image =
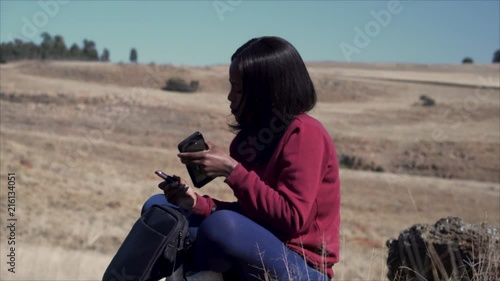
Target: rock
[{"x": 447, "y": 250}]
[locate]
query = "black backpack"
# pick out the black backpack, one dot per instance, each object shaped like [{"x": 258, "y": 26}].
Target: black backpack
[{"x": 153, "y": 249}]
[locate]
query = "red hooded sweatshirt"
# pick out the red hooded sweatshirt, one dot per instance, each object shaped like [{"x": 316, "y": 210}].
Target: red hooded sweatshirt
[{"x": 295, "y": 195}]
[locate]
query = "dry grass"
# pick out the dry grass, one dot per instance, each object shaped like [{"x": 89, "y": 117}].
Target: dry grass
[
  {"x": 37, "y": 262},
  {"x": 488, "y": 265},
  {"x": 85, "y": 158}
]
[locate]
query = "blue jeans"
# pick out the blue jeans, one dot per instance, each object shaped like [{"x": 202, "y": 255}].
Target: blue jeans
[{"x": 227, "y": 241}]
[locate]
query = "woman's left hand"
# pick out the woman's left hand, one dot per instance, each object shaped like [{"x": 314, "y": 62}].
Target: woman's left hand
[{"x": 214, "y": 161}]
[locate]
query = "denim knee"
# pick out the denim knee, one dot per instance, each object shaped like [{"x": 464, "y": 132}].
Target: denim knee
[
  {"x": 155, "y": 199},
  {"x": 221, "y": 227}
]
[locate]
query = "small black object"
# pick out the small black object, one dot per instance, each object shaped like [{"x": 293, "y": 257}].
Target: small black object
[
  {"x": 195, "y": 143},
  {"x": 153, "y": 249}
]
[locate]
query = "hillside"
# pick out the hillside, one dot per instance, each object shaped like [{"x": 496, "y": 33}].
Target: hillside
[{"x": 85, "y": 138}]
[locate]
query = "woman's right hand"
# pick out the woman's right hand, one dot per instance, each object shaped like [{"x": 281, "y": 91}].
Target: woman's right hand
[{"x": 179, "y": 193}]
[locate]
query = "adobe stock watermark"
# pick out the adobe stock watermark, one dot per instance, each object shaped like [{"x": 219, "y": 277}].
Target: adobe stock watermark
[
  {"x": 222, "y": 7},
  {"x": 31, "y": 26},
  {"x": 363, "y": 37}
]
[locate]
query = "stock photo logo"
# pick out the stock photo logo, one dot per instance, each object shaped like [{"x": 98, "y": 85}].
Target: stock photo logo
[{"x": 223, "y": 7}]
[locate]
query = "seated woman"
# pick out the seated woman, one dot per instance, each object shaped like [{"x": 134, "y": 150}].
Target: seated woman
[{"x": 282, "y": 168}]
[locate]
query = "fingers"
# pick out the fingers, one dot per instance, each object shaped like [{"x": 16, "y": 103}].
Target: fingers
[
  {"x": 174, "y": 198},
  {"x": 192, "y": 155},
  {"x": 175, "y": 191},
  {"x": 162, "y": 185},
  {"x": 200, "y": 162},
  {"x": 176, "y": 186},
  {"x": 182, "y": 181}
]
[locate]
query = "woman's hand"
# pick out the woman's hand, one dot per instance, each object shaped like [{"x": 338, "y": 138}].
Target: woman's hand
[
  {"x": 214, "y": 162},
  {"x": 179, "y": 193}
]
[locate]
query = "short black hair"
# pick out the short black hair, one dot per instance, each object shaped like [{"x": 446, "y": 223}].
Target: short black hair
[
  {"x": 275, "y": 82},
  {"x": 275, "y": 78}
]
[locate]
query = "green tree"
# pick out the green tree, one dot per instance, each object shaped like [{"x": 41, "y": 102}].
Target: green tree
[
  {"x": 133, "y": 55},
  {"x": 2, "y": 60},
  {"x": 105, "y": 55},
  {"x": 4, "y": 52},
  {"x": 496, "y": 57},
  {"x": 6, "y": 49},
  {"x": 47, "y": 45},
  {"x": 59, "y": 49},
  {"x": 18, "y": 50},
  {"x": 75, "y": 52},
  {"x": 33, "y": 51},
  {"x": 89, "y": 52}
]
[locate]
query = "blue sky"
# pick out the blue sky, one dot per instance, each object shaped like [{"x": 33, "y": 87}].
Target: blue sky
[{"x": 208, "y": 32}]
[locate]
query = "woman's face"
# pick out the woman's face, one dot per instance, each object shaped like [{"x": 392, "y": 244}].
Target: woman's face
[{"x": 236, "y": 93}]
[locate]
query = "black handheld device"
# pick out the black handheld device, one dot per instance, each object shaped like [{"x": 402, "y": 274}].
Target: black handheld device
[{"x": 195, "y": 143}]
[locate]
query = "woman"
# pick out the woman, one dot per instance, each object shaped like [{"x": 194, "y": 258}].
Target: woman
[{"x": 282, "y": 168}]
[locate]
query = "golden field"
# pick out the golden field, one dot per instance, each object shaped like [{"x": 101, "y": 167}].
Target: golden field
[{"x": 85, "y": 138}]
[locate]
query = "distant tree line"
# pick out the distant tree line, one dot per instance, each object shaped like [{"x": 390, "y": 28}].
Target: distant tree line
[
  {"x": 51, "y": 48},
  {"x": 54, "y": 48}
]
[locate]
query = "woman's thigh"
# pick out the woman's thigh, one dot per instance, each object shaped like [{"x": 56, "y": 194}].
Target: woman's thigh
[{"x": 227, "y": 239}]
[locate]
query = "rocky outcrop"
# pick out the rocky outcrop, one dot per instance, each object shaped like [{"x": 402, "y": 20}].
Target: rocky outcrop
[{"x": 447, "y": 250}]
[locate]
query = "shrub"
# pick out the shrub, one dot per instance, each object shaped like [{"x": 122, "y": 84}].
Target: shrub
[
  {"x": 427, "y": 101},
  {"x": 467, "y": 60},
  {"x": 353, "y": 162},
  {"x": 194, "y": 85},
  {"x": 179, "y": 85}
]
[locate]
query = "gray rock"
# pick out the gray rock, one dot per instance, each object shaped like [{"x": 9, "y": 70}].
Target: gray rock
[{"x": 447, "y": 250}]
